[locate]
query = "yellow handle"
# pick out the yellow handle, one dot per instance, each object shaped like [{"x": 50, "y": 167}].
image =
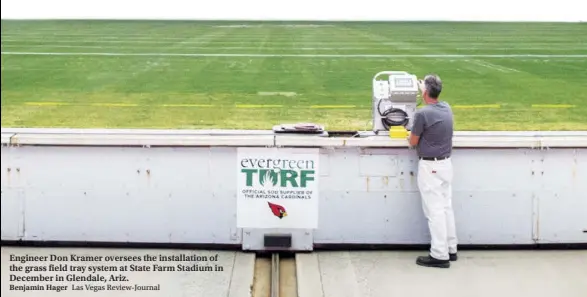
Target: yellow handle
[{"x": 398, "y": 132}]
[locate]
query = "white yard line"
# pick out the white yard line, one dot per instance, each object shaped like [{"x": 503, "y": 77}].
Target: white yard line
[
  {"x": 149, "y": 41},
  {"x": 87, "y": 34},
  {"x": 129, "y": 38},
  {"x": 293, "y": 55},
  {"x": 96, "y": 37},
  {"x": 309, "y": 48},
  {"x": 187, "y": 47},
  {"x": 494, "y": 66},
  {"x": 224, "y": 40},
  {"x": 523, "y": 48}
]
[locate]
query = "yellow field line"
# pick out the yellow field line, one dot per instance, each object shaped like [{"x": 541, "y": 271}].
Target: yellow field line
[
  {"x": 552, "y": 106},
  {"x": 477, "y": 106},
  {"x": 332, "y": 106},
  {"x": 114, "y": 104},
  {"x": 257, "y": 106},
  {"x": 46, "y": 103},
  {"x": 187, "y": 105}
]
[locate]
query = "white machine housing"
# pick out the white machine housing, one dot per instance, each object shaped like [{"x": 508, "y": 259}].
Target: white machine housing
[{"x": 398, "y": 90}]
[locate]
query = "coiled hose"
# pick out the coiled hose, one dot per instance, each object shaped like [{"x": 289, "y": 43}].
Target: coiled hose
[{"x": 392, "y": 112}]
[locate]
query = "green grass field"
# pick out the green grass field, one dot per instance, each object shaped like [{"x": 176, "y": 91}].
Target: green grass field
[{"x": 166, "y": 74}]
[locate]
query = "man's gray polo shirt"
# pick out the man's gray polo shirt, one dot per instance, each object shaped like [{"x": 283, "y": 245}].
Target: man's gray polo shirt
[{"x": 434, "y": 124}]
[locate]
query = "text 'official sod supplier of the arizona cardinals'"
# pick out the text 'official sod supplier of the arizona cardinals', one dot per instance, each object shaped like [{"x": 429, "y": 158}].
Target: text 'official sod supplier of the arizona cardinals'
[{"x": 277, "y": 188}]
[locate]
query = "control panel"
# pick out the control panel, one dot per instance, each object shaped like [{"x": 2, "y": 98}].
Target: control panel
[{"x": 395, "y": 91}]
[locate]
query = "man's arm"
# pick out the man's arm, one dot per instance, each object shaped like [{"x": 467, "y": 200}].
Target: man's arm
[{"x": 417, "y": 129}]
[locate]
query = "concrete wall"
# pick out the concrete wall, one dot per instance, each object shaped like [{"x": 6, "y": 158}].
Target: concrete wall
[
  {"x": 498, "y": 10},
  {"x": 180, "y": 187}
]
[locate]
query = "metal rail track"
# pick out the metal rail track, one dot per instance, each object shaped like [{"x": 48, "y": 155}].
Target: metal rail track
[{"x": 275, "y": 277}]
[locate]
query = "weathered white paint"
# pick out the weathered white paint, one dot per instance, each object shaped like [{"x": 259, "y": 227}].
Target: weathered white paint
[{"x": 168, "y": 186}]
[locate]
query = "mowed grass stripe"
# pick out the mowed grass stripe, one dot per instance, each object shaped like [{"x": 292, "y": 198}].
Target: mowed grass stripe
[
  {"x": 150, "y": 105},
  {"x": 46, "y": 103},
  {"x": 114, "y": 104},
  {"x": 187, "y": 105},
  {"x": 181, "y": 105},
  {"x": 251, "y": 55},
  {"x": 333, "y": 106},
  {"x": 478, "y": 106},
  {"x": 553, "y": 106},
  {"x": 373, "y": 48},
  {"x": 258, "y": 106},
  {"x": 176, "y": 92}
]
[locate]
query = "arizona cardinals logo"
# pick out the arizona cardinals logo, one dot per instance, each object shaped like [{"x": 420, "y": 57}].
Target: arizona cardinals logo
[{"x": 277, "y": 210}]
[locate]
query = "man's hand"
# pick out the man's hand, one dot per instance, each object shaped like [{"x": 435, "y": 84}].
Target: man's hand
[
  {"x": 421, "y": 86},
  {"x": 413, "y": 139},
  {"x": 408, "y": 139}
]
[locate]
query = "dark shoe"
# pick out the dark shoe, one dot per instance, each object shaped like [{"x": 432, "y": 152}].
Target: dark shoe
[
  {"x": 428, "y": 261},
  {"x": 453, "y": 257}
]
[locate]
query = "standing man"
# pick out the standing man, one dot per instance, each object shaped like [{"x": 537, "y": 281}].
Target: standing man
[{"x": 432, "y": 134}]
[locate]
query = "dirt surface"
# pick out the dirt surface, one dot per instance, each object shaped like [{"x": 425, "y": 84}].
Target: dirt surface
[
  {"x": 287, "y": 278},
  {"x": 262, "y": 279}
]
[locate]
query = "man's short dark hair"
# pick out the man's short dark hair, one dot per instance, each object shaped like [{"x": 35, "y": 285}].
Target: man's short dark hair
[{"x": 433, "y": 85}]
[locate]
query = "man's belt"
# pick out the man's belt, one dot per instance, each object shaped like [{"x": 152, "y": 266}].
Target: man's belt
[{"x": 433, "y": 158}]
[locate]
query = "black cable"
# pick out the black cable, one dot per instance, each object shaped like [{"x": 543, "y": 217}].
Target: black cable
[{"x": 387, "y": 122}]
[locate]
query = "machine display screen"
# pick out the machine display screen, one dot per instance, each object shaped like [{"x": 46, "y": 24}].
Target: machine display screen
[{"x": 404, "y": 82}]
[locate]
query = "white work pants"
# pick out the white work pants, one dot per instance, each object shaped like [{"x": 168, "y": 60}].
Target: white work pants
[{"x": 435, "y": 184}]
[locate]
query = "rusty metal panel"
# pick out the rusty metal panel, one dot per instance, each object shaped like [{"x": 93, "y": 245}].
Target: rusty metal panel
[
  {"x": 385, "y": 165},
  {"x": 368, "y": 195},
  {"x": 492, "y": 198}
]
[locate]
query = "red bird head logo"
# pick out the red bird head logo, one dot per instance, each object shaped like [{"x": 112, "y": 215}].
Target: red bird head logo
[{"x": 277, "y": 210}]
